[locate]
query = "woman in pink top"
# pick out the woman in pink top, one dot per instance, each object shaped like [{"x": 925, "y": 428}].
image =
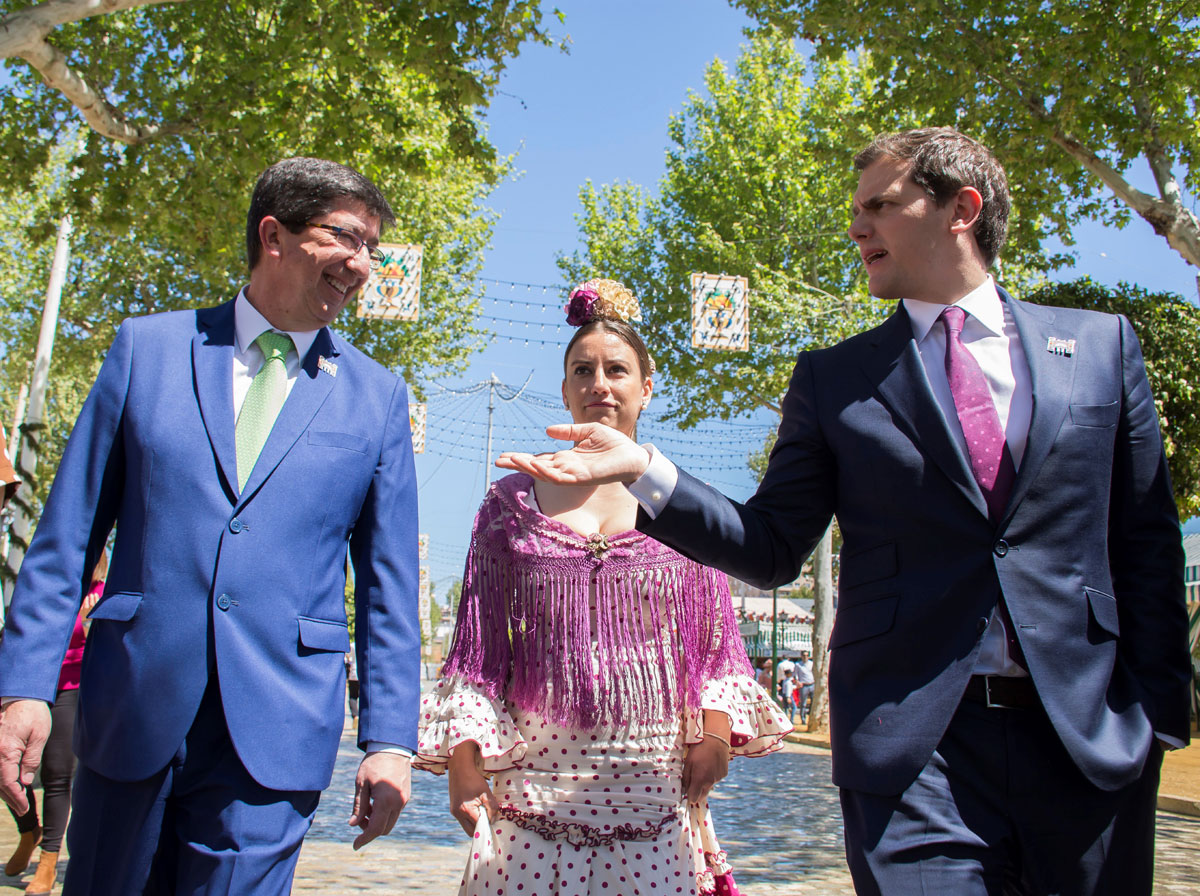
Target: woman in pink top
[{"x": 58, "y": 760}]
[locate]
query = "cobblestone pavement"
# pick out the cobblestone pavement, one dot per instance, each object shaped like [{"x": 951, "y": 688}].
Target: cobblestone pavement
[{"x": 777, "y": 816}]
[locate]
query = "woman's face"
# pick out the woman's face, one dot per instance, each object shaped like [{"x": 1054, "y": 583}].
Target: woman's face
[{"x": 603, "y": 383}]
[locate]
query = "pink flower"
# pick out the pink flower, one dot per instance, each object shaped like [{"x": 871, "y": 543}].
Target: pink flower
[{"x": 580, "y": 306}]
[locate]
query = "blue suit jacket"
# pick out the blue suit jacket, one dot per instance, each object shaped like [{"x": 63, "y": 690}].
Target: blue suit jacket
[
  {"x": 205, "y": 581},
  {"x": 1087, "y": 555}
]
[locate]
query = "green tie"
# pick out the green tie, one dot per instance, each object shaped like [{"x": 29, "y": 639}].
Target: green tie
[{"x": 263, "y": 401}]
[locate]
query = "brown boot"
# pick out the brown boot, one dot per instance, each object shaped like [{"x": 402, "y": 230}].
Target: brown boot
[
  {"x": 45, "y": 876},
  {"x": 23, "y": 853}
]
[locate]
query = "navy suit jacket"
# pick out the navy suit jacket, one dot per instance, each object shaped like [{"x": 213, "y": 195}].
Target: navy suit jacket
[
  {"x": 208, "y": 581},
  {"x": 1087, "y": 555}
]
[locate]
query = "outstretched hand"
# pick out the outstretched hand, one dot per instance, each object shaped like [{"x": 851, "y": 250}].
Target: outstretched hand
[{"x": 601, "y": 454}]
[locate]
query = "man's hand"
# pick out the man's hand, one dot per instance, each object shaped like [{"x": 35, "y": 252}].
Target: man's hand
[
  {"x": 24, "y": 727},
  {"x": 601, "y": 454},
  {"x": 469, "y": 795},
  {"x": 381, "y": 789},
  {"x": 706, "y": 763}
]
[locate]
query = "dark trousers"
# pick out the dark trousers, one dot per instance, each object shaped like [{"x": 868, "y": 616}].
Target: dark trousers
[
  {"x": 58, "y": 768},
  {"x": 1001, "y": 809},
  {"x": 200, "y": 826}
]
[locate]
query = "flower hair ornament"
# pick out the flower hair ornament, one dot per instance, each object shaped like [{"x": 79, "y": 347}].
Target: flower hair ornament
[{"x": 601, "y": 300}]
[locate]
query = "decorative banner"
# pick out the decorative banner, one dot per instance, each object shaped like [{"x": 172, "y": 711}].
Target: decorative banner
[
  {"x": 393, "y": 291},
  {"x": 720, "y": 312},
  {"x": 424, "y": 600},
  {"x": 422, "y": 547},
  {"x": 416, "y": 422}
]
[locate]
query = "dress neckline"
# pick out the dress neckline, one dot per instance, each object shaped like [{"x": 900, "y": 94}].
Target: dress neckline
[{"x": 597, "y": 542}]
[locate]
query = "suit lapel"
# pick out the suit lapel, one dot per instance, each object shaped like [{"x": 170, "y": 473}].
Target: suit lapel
[
  {"x": 212, "y": 369},
  {"x": 309, "y": 392},
  {"x": 1051, "y": 379},
  {"x": 896, "y": 369}
]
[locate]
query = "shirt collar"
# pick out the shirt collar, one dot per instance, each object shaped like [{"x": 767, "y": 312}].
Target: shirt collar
[
  {"x": 249, "y": 324},
  {"x": 983, "y": 303}
]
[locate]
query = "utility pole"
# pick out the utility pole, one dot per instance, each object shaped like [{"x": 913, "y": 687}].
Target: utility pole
[{"x": 22, "y": 524}]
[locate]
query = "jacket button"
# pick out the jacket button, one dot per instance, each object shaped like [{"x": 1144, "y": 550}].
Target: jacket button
[
  {"x": 982, "y": 625},
  {"x": 236, "y": 525},
  {"x": 224, "y": 602},
  {"x": 1000, "y": 548}
]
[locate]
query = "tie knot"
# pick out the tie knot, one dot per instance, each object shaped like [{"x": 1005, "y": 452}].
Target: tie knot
[
  {"x": 274, "y": 345},
  {"x": 953, "y": 318}
]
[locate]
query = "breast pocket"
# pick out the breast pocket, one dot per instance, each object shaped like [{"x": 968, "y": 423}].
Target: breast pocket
[
  {"x": 1095, "y": 415},
  {"x": 345, "y": 440}
]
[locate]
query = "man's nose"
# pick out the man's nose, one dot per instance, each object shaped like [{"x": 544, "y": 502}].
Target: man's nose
[
  {"x": 857, "y": 229},
  {"x": 360, "y": 261}
]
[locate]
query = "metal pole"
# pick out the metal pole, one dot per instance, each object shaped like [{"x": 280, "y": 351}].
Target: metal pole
[
  {"x": 775, "y": 644},
  {"x": 487, "y": 457},
  {"x": 22, "y": 523}
]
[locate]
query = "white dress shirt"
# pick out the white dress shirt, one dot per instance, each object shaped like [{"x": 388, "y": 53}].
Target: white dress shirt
[{"x": 248, "y": 358}]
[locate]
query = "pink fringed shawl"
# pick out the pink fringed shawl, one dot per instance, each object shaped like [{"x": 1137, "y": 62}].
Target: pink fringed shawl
[{"x": 592, "y": 632}]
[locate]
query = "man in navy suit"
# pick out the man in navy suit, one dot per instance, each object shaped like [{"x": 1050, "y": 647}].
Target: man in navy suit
[
  {"x": 1010, "y": 651},
  {"x": 239, "y": 451}
]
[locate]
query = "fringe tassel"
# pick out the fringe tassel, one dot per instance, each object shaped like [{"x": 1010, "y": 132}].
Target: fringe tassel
[{"x": 587, "y": 641}]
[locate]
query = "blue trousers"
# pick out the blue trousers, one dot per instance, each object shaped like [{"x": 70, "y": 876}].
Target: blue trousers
[
  {"x": 1001, "y": 809},
  {"x": 202, "y": 825}
]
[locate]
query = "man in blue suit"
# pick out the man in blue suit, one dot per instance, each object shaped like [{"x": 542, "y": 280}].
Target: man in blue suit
[
  {"x": 1010, "y": 654},
  {"x": 238, "y": 450}
]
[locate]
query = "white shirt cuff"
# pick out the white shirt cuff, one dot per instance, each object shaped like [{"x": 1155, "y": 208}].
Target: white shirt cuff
[
  {"x": 378, "y": 746},
  {"x": 1174, "y": 742},
  {"x": 653, "y": 489}
]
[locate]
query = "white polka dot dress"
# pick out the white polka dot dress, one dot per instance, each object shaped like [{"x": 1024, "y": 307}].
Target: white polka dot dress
[{"x": 589, "y": 813}]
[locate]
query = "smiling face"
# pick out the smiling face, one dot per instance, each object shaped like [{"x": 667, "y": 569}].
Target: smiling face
[
  {"x": 603, "y": 383},
  {"x": 308, "y": 277},
  {"x": 910, "y": 246}
]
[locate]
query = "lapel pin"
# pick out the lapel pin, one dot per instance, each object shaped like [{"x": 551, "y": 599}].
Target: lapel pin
[
  {"x": 326, "y": 366},
  {"x": 1064, "y": 347}
]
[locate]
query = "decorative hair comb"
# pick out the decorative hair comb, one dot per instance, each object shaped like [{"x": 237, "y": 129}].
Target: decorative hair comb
[{"x": 601, "y": 300}]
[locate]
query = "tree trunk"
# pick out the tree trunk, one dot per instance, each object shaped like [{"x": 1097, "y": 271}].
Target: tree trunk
[
  {"x": 822, "y": 565},
  {"x": 22, "y": 524}
]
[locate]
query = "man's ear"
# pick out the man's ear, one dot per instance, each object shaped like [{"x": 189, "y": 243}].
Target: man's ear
[
  {"x": 270, "y": 235},
  {"x": 965, "y": 209}
]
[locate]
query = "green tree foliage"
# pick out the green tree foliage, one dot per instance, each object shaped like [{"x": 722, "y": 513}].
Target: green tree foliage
[
  {"x": 1068, "y": 93},
  {"x": 1168, "y": 328},
  {"x": 193, "y": 100},
  {"x": 758, "y": 183}
]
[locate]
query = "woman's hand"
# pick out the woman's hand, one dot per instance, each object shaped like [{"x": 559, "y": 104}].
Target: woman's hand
[
  {"x": 706, "y": 763},
  {"x": 469, "y": 790}
]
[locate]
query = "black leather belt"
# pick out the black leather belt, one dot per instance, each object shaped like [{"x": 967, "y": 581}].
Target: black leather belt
[{"x": 1001, "y": 692}]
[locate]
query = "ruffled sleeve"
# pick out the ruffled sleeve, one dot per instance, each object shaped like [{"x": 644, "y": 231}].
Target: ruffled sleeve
[
  {"x": 457, "y": 711},
  {"x": 758, "y": 725}
]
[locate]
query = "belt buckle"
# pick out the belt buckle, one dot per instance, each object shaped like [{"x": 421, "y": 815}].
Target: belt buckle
[{"x": 987, "y": 695}]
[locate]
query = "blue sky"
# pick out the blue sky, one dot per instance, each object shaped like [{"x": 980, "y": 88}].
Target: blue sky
[{"x": 600, "y": 113}]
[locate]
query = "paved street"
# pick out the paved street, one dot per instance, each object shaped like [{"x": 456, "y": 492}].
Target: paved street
[{"x": 777, "y": 816}]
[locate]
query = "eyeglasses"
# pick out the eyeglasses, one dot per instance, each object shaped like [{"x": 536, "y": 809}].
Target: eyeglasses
[{"x": 353, "y": 242}]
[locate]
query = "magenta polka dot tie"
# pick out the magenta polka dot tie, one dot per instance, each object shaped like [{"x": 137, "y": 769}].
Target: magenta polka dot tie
[{"x": 991, "y": 462}]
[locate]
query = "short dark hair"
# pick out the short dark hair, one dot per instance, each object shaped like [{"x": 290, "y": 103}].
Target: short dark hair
[
  {"x": 943, "y": 162},
  {"x": 296, "y": 190}
]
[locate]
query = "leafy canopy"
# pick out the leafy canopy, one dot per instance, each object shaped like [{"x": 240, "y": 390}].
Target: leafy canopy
[{"x": 1069, "y": 94}]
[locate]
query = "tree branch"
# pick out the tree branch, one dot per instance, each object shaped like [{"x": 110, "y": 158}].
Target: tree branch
[
  {"x": 23, "y": 35},
  {"x": 1170, "y": 220}
]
